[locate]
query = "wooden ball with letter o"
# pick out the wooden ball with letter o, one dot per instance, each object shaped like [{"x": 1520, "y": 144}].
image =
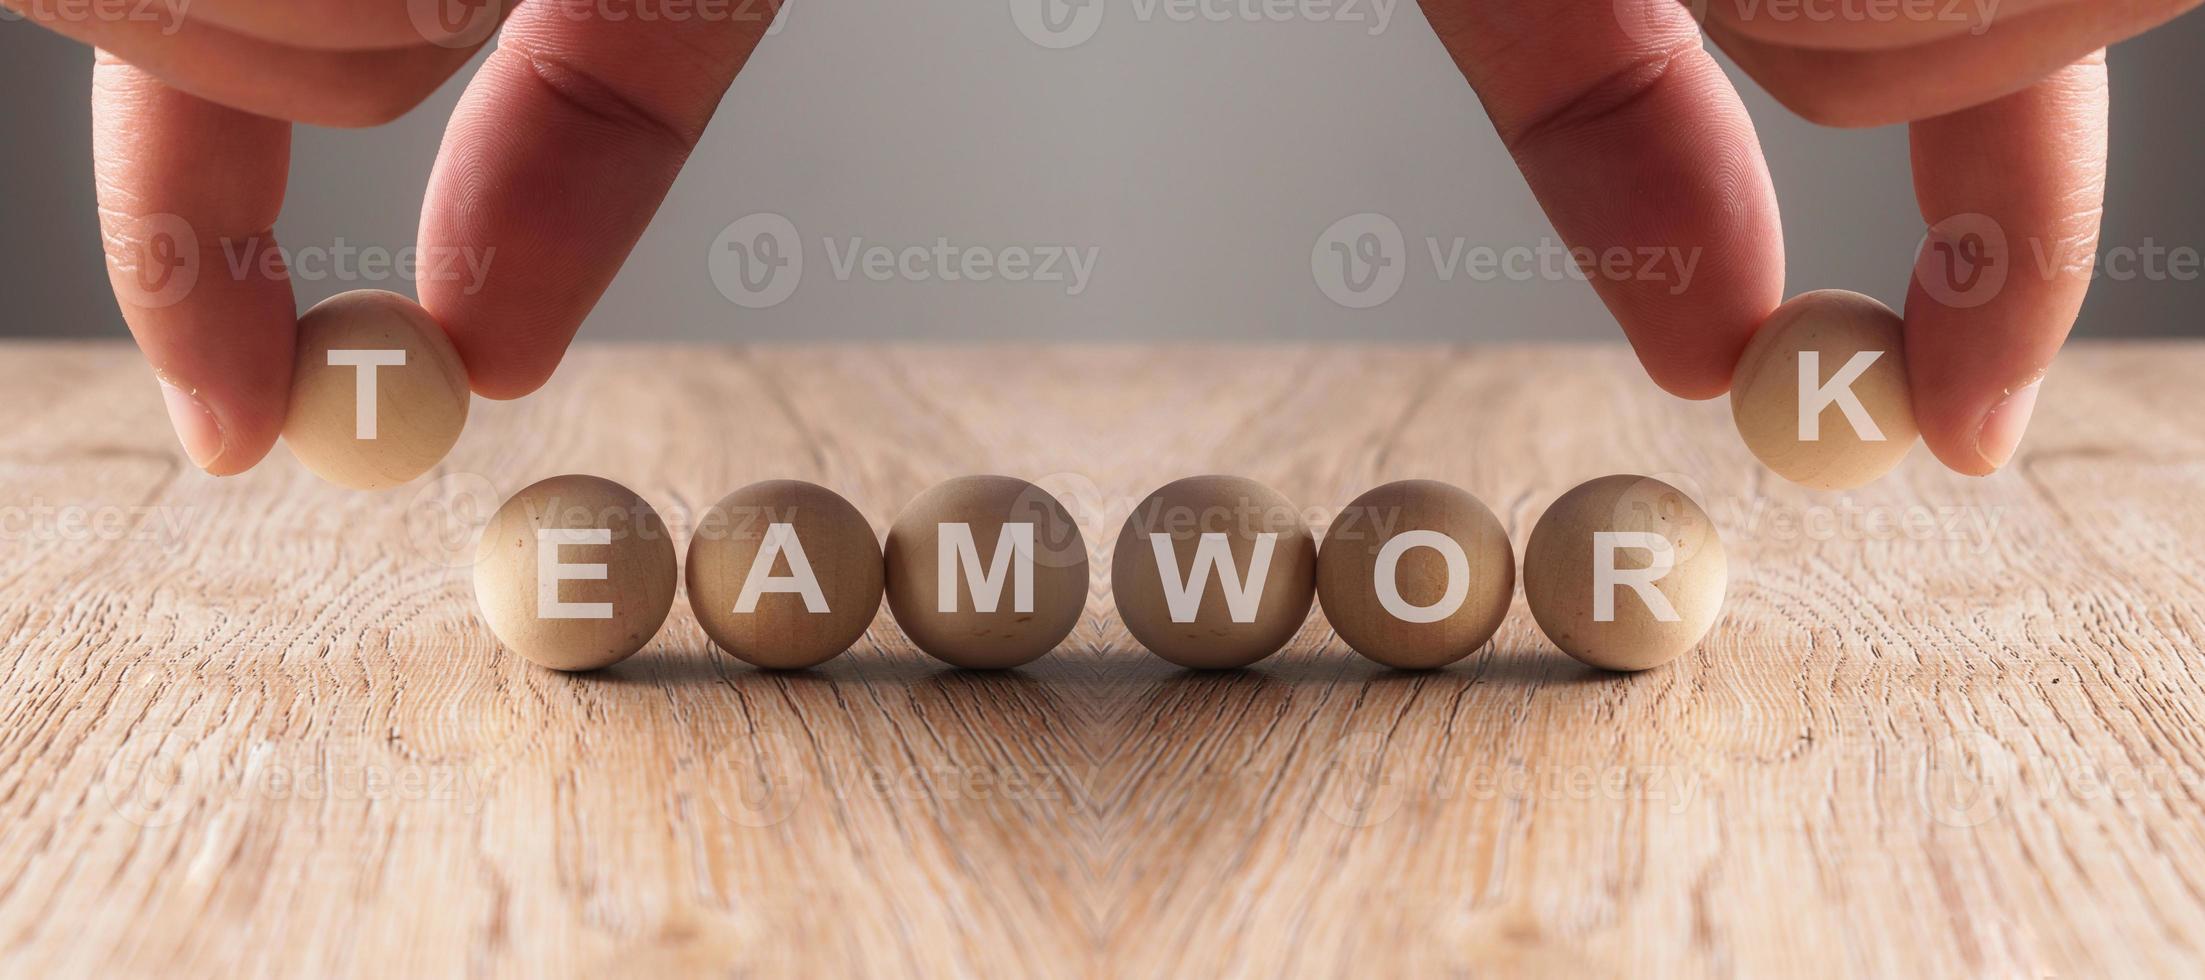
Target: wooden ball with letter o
[
  {"x": 1416, "y": 574},
  {"x": 784, "y": 574},
  {"x": 986, "y": 572}
]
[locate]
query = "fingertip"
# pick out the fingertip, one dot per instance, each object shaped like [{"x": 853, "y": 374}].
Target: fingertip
[
  {"x": 509, "y": 353},
  {"x": 216, "y": 445},
  {"x": 507, "y": 383},
  {"x": 1974, "y": 439},
  {"x": 1692, "y": 366}
]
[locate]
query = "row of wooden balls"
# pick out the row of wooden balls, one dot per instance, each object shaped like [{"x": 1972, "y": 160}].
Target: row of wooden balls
[{"x": 1210, "y": 572}]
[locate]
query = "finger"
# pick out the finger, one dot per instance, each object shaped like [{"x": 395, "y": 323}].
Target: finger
[
  {"x": 188, "y": 191},
  {"x": 1638, "y": 148},
  {"x": 556, "y": 158},
  {"x": 328, "y": 88},
  {"x": 2013, "y": 191},
  {"x": 1877, "y": 88}
]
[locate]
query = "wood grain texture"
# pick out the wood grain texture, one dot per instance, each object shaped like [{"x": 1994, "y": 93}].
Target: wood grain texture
[{"x": 1946, "y": 726}]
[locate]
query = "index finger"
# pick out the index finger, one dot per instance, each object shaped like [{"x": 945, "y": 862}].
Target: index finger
[
  {"x": 1642, "y": 155},
  {"x": 188, "y": 195}
]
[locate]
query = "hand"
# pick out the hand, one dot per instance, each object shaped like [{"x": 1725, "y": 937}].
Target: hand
[
  {"x": 1630, "y": 135},
  {"x": 555, "y": 160}
]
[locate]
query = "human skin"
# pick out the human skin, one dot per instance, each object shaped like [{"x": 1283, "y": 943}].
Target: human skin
[{"x": 1622, "y": 122}]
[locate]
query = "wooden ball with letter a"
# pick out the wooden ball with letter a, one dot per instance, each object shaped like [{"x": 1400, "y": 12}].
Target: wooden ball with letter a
[{"x": 784, "y": 574}]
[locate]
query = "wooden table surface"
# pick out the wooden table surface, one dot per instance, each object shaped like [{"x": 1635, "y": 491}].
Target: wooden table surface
[{"x": 1946, "y": 726}]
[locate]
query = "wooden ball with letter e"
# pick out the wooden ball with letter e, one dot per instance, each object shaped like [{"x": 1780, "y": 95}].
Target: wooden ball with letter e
[{"x": 575, "y": 573}]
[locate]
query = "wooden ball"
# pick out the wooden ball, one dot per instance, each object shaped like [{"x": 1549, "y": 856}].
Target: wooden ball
[
  {"x": 378, "y": 393},
  {"x": 784, "y": 574},
  {"x": 1820, "y": 394},
  {"x": 575, "y": 573},
  {"x": 1625, "y": 573},
  {"x": 1416, "y": 574},
  {"x": 1212, "y": 605},
  {"x": 986, "y": 572}
]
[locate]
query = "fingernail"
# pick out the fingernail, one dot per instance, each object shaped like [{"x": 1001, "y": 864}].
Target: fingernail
[
  {"x": 2002, "y": 429},
  {"x": 196, "y": 427}
]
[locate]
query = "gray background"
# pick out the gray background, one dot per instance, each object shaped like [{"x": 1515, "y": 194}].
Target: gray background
[{"x": 1201, "y": 161}]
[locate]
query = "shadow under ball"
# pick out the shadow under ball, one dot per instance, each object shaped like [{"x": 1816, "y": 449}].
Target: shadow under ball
[
  {"x": 585, "y": 617},
  {"x": 1242, "y": 510},
  {"x": 1765, "y": 391},
  {"x": 1005, "y": 636},
  {"x": 1442, "y": 612},
  {"x": 1560, "y": 573},
  {"x": 420, "y": 406},
  {"x": 825, "y": 544}
]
